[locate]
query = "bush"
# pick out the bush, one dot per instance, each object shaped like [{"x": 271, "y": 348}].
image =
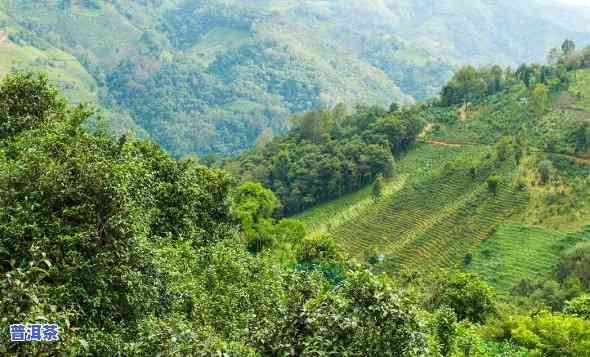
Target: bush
[
  {"x": 554, "y": 334},
  {"x": 445, "y": 329},
  {"x": 27, "y": 101},
  {"x": 575, "y": 263},
  {"x": 465, "y": 293},
  {"x": 545, "y": 168},
  {"x": 493, "y": 183},
  {"x": 579, "y": 306}
]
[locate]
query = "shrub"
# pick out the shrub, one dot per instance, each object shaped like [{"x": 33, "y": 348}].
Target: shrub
[
  {"x": 27, "y": 101},
  {"x": 465, "y": 293},
  {"x": 554, "y": 334},
  {"x": 579, "y": 306},
  {"x": 545, "y": 167},
  {"x": 493, "y": 183}
]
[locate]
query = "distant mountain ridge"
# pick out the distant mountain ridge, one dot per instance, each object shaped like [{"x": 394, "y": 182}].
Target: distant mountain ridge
[{"x": 209, "y": 76}]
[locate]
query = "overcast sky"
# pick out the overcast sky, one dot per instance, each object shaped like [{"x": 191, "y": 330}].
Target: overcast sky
[{"x": 574, "y": 2}]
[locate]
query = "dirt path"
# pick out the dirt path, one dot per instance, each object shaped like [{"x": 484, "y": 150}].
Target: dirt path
[
  {"x": 4, "y": 42},
  {"x": 442, "y": 143},
  {"x": 427, "y": 129},
  {"x": 576, "y": 159}
]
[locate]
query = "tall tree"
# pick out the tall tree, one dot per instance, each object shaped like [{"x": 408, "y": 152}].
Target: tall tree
[
  {"x": 568, "y": 47},
  {"x": 378, "y": 188}
]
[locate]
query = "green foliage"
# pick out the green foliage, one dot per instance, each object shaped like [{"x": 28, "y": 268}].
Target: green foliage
[
  {"x": 471, "y": 85},
  {"x": 582, "y": 135},
  {"x": 568, "y": 47},
  {"x": 493, "y": 182},
  {"x": 78, "y": 213},
  {"x": 365, "y": 317},
  {"x": 545, "y": 168},
  {"x": 553, "y": 335},
  {"x": 253, "y": 204},
  {"x": 576, "y": 263},
  {"x": 504, "y": 149},
  {"x": 465, "y": 293},
  {"x": 539, "y": 97},
  {"x": 579, "y": 307},
  {"x": 318, "y": 249},
  {"x": 445, "y": 329},
  {"x": 377, "y": 188},
  {"x": 289, "y": 230},
  {"x": 328, "y": 154},
  {"x": 27, "y": 101}
]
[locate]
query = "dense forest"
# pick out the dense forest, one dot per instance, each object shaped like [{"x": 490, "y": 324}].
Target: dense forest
[
  {"x": 329, "y": 153},
  {"x": 214, "y": 76},
  {"x": 133, "y": 252}
]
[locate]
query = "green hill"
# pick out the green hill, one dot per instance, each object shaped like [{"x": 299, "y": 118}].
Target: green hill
[
  {"x": 440, "y": 209},
  {"x": 209, "y": 76}
]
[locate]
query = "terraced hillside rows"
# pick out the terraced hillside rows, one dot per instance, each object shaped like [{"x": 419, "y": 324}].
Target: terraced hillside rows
[
  {"x": 410, "y": 168},
  {"x": 517, "y": 252},
  {"x": 435, "y": 220}
]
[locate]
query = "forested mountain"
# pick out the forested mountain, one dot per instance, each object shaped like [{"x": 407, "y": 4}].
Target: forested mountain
[{"x": 211, "y": 76}]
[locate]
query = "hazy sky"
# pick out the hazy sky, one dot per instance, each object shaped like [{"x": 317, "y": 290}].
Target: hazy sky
[{"x": 574, "y": 2}]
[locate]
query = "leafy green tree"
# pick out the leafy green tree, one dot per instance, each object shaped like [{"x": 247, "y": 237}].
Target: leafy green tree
[
  {"x": 394, "y": 107},
  {"x": 377, "y": 188},
  {"x": 540, "y": 94},
  {"x": 365, "y": 316},
  {"x": 289, "y": 230},
  {"x": 545, "y": 167},
  {"x": 253, "y": 204},
  {"x": 568, "y": 47},
  {"x": 582, "y": 136},
  {"x": 579, "y": 306},
  {"x": 465, "y": 293},
  {"x": 388, "y": 165},
  {"x": 525, "y": 74},
  {"x": 27, "y": 101},
  {"x": 79, "y": 216},
  {"x": 553, "y": 334},
  {"x": 503, "y": 148},
  {"x": 467, "y": 85},
  {"x": 445, "y": 329},
  {"x": 576, "y": 263},
  {"x": 519, "y": 150},
  {"x": 493, "y": 182},
  {"x": 318, "y": 249}
]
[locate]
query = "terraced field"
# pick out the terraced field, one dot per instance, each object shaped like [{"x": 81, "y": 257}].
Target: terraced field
[
  {"x": 416, "y": 165},
  {"x": 436, "y": 218},
  {"x": 516, "y": 252}
]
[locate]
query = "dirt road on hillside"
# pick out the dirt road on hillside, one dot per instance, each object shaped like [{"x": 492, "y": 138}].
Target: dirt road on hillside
[{"x": 576, "y": 159}]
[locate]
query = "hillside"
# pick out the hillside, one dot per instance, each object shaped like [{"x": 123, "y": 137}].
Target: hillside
[
  {"x": 497, "y": 186},
  {"x": 212, "y": 76}
]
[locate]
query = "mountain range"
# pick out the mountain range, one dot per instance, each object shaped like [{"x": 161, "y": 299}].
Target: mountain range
[{"x": 213, "y": 76}]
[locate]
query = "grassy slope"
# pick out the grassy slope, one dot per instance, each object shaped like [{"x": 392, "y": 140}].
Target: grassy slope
[
  {"x": 432, "y": 214},
  {"x": 517, "y": 251},
  {"x": 416, "y": 163}
]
